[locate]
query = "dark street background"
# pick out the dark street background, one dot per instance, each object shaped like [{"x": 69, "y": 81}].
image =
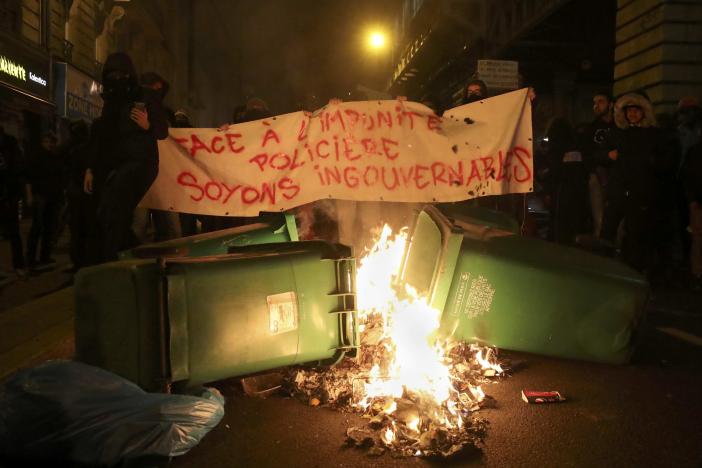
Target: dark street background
[{"x": 300, "y": 53}]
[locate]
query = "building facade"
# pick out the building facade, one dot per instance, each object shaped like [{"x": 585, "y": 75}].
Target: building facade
[
  {"x": 52, "y": 51},
  {"x": 566, "y": 49}
]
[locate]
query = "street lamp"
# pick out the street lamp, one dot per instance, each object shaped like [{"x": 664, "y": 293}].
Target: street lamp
[{"x": 376, "y": 40}]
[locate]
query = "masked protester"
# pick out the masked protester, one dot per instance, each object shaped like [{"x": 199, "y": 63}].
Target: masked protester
[
  {"x": 166, "y": 223},
  {"x": 476, "y": 90},
  {"x": 124, "y": 152}
]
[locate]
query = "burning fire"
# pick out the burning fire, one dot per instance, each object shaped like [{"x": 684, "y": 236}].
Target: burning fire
[{"x": 414, "y": 364}]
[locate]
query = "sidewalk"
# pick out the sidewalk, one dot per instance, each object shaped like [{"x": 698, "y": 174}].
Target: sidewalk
[
  {"x": 36, "y": 312},
  {"x": 36, "y": 331}
]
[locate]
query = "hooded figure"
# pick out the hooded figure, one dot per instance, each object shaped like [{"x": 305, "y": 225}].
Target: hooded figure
[
  {"x": 636, "y": 192},
  {"x": 123, "y": 161},
  {"x": 474, "y": 91}
]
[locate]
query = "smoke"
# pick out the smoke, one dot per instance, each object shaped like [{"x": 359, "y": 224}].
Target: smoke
[{"x": 352, "y": 223}]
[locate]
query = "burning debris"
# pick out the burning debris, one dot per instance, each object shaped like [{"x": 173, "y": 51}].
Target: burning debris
[
  {"x": 412, "y": 424},
  {"x": 417, "y": 392}
]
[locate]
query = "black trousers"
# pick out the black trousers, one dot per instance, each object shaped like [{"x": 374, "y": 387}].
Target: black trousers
[
  {"x": 9, "y": 223},
  {"x": 81, "y": 223},
  {"x": 45, "y": 213},
  {"x": 638, "y": 230},
  {"x": 121, "y": 192}
]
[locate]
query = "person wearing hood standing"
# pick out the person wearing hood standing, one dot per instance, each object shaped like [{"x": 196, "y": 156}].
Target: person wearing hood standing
[
  {"x": 124, "y": 152},
  {"x": 636, "y": 189},
  {"x": 166, "y": 223},
  {"x": 475, "y": 90}
]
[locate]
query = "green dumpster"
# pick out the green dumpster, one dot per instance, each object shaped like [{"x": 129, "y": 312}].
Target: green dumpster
[
  {"x": 525, "y": 294},
  {"x": 475, "y": 214},
  {"x": 219, "y": 242},
  {"x": 189, "y": 321}
]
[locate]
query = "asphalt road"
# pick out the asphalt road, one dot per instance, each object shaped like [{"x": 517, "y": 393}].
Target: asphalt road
[{"x": 645, "y": 414}]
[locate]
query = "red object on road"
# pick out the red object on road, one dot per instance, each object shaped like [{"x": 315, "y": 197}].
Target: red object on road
[{"x": 532, "y": 396}]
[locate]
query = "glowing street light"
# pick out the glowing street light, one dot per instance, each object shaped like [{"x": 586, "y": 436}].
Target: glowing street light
[{"x": 376, "y": 40}]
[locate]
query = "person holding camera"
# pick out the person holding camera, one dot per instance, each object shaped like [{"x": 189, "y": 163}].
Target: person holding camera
[{"x": 123, "y": 161}]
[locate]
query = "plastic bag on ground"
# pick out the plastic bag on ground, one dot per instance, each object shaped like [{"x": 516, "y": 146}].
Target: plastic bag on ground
[{"x": 64, "y": 410}]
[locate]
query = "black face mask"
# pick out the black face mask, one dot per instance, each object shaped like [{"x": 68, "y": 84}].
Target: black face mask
[
  {"x": 472, "y": 98},
  {"x": 117, "y": 88}
]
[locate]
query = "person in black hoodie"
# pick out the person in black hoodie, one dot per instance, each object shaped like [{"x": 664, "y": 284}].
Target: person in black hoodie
[
  {"x": 636, "y": 190},
  {"x": 474, "y": 91},
  {"x": 166, "y": 223},
  {"x": 124, "y": 152}
]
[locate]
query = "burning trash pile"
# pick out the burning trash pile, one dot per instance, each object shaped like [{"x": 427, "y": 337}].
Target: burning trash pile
[{"x": 417, "y": 391}]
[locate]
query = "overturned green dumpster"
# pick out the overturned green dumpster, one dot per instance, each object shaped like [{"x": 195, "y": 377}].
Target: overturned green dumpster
[
  {"x": 274, "y": 228},
  {"x": 191, "y": 320},
  {"x": 524, "y": 294}
]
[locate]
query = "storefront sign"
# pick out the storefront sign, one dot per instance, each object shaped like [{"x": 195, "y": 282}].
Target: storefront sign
[
  {"x": 77, "y": 94},
  {"x": 24, "y": 70}
]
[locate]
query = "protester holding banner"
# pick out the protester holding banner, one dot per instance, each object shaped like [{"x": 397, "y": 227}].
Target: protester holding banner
[
  {"x": 188, "y": 221},
  {"x": 166, "y": 223},
  {"x": 124, "y": 159},
  {"x": 475, "y": 90}
]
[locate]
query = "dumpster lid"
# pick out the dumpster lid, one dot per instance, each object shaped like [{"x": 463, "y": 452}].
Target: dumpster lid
[{"x": 431, "y": 255}]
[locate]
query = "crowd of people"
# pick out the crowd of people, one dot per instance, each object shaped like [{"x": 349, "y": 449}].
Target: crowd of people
[{"x": 627, "y": 184}]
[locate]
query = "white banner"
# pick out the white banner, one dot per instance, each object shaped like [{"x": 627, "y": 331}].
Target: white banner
[{"x": 364, "y": 151}]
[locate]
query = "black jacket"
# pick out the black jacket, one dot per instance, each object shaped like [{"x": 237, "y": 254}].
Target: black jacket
[
  {"x": 599, "y": 133},
  {"x": 642, "y": 163},
  {"x": 692, "y": 173},
  {"x": 115, "y": 139},
  {"x": 643, "y": 169}
]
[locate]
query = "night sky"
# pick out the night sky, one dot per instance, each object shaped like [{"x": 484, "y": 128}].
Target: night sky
[{"x": 288, "y": 51}]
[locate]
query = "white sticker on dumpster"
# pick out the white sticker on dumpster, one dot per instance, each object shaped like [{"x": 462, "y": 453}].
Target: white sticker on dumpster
[
  {"x": 282, "y": 312},
  {"x": 473, "y": 301}
]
